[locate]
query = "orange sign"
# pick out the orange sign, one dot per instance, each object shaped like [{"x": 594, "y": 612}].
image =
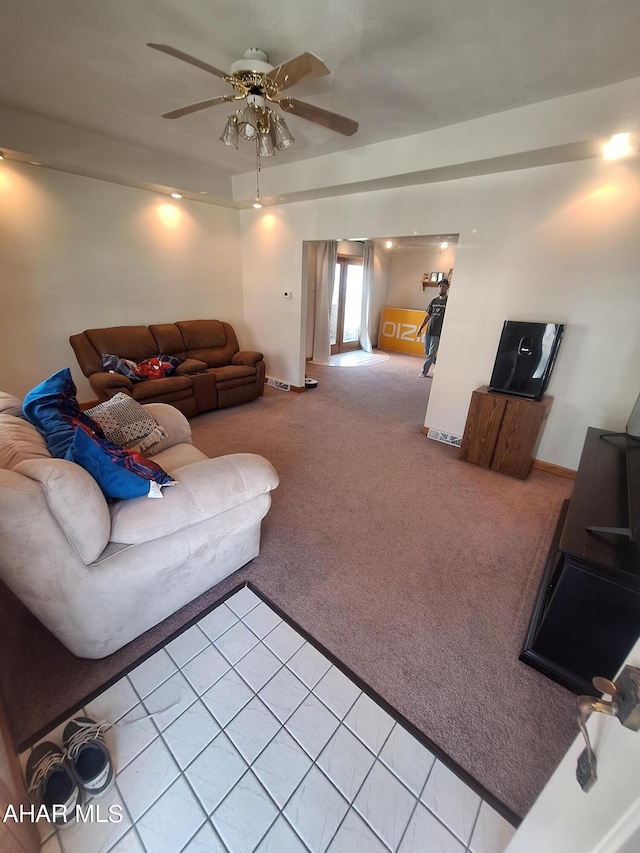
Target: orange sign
[{"x": 399, "y": 330}]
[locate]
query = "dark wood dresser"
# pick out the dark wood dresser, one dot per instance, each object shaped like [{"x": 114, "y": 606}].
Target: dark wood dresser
[{"x": 587, "y": 614}]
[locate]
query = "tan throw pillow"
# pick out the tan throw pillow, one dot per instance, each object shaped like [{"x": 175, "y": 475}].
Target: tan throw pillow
[{"x": 126, "y": 423}]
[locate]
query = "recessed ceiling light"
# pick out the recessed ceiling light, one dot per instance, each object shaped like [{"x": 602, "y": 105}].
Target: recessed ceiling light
[
  {"x": 444, "y": 245},
  {"x": 202, "y": 192},
  {"x": 176, "y": 195},
  {"x": 389, "y": 244},
  {"x": 618, "y": 146},
  {"x": 1, "y": 156},
  {"x": 257, "y": 205}
]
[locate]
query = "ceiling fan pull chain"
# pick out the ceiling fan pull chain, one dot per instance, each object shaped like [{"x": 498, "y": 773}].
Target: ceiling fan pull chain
[{"x": 258, "y": 167}]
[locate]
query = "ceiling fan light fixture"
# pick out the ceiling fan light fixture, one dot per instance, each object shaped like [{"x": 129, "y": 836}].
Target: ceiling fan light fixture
[
  {"x": 230, "y": 132},
  {"x": 265, "y": 145},
  {"x": 259, "y": 84},
  {"x": 248, "y": 122},
  {"x": 283, "y": 136}
]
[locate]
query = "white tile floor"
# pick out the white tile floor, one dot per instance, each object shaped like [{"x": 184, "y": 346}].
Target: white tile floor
[{"x": 259, "y": 743}]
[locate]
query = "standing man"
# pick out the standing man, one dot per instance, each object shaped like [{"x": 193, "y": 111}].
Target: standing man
[{"x": 433, "y": 321}]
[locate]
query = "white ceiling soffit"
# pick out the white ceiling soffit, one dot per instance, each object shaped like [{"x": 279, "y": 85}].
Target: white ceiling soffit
[{"x": 400, "y": 69}]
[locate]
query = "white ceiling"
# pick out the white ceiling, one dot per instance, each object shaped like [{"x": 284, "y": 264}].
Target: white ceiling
[{"x": 399, "y": 67}]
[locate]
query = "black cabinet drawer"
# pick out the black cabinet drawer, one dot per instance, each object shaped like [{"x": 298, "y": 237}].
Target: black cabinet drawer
[{"x": 589, "y": 623}]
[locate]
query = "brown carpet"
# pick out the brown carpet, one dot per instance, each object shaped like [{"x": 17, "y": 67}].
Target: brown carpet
[{"x": 416, "y": 570}]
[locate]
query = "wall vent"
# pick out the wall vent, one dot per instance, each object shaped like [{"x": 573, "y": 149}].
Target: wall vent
[
  {"x": 446, "y": 437},
  {"x": 283, "y": 386}
]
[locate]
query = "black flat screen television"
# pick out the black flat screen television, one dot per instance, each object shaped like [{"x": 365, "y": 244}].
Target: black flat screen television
[{"x": 525, "y": 358}]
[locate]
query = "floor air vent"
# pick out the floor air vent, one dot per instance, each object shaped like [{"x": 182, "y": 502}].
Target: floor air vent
[
  {"x": 283, "y": 386},
  {"x": 446, "y": 437}
]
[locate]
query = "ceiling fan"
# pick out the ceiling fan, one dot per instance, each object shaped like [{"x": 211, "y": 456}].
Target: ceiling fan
[{"x": 259, "y": 84}]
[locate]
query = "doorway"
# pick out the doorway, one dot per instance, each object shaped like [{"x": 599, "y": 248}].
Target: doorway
[
  {"x": 346, "y": 305},
  {"x": 403, "y": 268}
]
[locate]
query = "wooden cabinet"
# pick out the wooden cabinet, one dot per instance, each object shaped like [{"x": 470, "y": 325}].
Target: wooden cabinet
[{"x": 502, "y": 432}]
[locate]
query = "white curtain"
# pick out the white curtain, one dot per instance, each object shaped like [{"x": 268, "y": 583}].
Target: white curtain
[
  {"x": 367, "y": 286},
  {"x": 326, "y": 258}
]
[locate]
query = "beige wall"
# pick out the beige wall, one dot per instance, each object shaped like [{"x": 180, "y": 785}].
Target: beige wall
[
  {"x": 537, "y": 244},
  {"x": 78, "y": 253}
]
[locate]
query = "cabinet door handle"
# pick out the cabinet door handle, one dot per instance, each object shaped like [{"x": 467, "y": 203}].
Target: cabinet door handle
[{"x": 624, "y": 704}]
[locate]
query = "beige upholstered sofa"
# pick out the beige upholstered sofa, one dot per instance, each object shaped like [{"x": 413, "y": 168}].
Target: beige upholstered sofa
[
  {"x": 98, "y": 573},
  {"x": 215, "y": 373}
]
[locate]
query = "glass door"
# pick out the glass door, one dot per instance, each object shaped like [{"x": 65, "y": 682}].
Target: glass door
[{"x": 346, "y": 305}]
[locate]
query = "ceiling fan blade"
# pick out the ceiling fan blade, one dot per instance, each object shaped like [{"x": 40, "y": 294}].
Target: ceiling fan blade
[
  {"x": 307, "y": 66},
  {"x": 172, "y": 51},
  {"x": 341, "y": 124},
  {"x": 201, "y": 105}
]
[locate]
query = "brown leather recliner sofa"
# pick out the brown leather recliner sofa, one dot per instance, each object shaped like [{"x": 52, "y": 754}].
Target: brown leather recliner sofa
[{"x": 214, "y": 375}]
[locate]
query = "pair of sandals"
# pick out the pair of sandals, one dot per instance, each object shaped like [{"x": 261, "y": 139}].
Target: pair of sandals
[{"x": 60, "y": 779}]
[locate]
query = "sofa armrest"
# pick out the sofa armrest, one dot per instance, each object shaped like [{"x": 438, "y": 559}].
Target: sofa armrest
[
  {"x": 247, "y": 357},
  {"x": 205, "y": 489},
  {"x": 174, "y": 422},
  {"x": 189, "y": 366},
  {"x": 107, "y": 385},
  {"x": 75, "y": 501}
]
